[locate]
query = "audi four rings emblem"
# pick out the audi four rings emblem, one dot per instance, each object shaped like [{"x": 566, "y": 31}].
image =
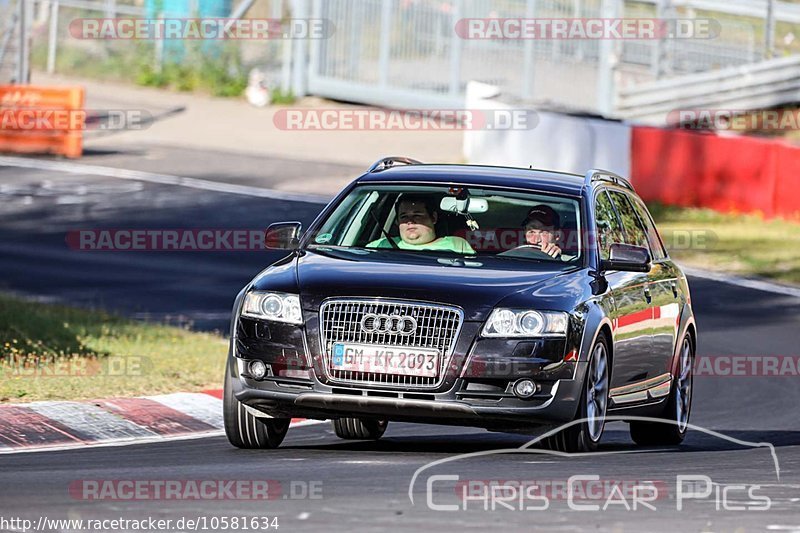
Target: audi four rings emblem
[{"x": 388, "y": 324}]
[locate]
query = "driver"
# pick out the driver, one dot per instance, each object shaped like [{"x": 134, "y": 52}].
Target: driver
[
  {"x": 543, "y": 230},
  {"x": 417, "y": 216}
]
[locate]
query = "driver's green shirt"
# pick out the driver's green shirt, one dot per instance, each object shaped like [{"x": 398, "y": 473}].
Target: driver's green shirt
[{"x": 450, "y": 244}]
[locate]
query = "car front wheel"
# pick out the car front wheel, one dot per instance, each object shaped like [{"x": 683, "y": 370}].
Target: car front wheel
[
  {"x": 359, "y": 428},
  {"x": 584, "y": 434},
  {"x": 243, "y": 429}
]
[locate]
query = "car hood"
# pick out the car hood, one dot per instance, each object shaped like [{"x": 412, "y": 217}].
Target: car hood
[{"x": 475, "y": 285}]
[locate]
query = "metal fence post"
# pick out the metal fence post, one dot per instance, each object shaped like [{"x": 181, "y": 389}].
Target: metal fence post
[
  {"x": 286, "y": 51},
  {"x": 769, "y": 42},
  {"x": 578, "y": 51},
  {"x": 159, "y": 58},
  {"x": 606, "y": 90},
  {"x": 300, "y": 10},
  {"x": 665, "y": 13},
  {"x": 456, "y": 47},
  {"x": 528, "y": 68},
  {"x": 24, "y": 17},
  {"x": 384, "y": 53},
  {"x": 317, "y": 53},
  {"x": 52, "y": 42}
]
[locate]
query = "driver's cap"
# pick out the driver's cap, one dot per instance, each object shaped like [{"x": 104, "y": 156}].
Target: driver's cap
[{"x": 545, "y": 214}]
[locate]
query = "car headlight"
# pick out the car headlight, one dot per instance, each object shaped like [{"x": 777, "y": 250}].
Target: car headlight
[
  {"x": 525, "y": 323},
  {"x": 277, "y": 306}
]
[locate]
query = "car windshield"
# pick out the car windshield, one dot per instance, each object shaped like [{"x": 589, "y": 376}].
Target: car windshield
[{"x": 460, "y": 220}]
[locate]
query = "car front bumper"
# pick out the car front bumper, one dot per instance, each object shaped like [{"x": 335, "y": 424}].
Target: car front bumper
[{"x": 557, "y": 402}]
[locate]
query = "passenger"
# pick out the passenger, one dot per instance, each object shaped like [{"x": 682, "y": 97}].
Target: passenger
[
  {"x": 417, "y": 216},
  {"x": 543, "y": 230}
]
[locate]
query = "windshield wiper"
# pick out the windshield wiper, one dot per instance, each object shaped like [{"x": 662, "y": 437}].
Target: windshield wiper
[{"x": 385, "y": 233}]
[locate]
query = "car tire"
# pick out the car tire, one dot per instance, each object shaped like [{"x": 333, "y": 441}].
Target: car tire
[
  {"x": 678, "y": 407},
  {"x": 584, "y": 436},
  {"x": 359, "y": 428},
  {"x": 243, "y": 429}
]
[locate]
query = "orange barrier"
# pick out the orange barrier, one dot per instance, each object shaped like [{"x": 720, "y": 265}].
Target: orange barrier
[
  {"x": 729, "y": 174},
  {"x": 36, "y": 120}
]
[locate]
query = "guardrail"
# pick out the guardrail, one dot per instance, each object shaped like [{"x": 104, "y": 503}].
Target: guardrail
[
  {"x": 757, "y": 86},
  {"x": 784, "y": 11}
]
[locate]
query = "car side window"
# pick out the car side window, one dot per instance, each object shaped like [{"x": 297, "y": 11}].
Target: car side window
[
  {"x": 634, "y": 231},
  {"x": 652, "y": 233},
  {"x": 609, "y": 229}
]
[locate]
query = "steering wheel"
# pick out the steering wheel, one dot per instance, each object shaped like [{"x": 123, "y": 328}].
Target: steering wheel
[{"x": 533, "y": 250}]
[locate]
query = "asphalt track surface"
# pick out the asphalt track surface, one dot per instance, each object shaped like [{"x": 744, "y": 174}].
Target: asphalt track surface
[{"x": 365, "y": 485}]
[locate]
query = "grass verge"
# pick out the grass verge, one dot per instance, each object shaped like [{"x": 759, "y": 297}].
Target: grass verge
[
  {"x": 739, "y": 244},
  {"x": 52, "y": 352}
]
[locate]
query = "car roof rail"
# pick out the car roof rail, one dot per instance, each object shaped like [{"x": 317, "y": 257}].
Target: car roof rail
[
  {"x": 389, "y": 162},
  {"x": 598, "y": 174}
]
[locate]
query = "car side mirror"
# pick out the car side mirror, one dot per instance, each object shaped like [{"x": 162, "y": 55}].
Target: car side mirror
[
  {"x": 283, "y": 236},
  {"x": 627, "y": 258}
]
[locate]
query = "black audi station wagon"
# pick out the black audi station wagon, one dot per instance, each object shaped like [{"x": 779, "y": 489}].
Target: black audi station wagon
[{"x": 503, "y": 298}]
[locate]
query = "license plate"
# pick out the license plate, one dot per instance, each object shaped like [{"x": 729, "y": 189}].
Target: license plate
[{"x": 397, "y": 360}]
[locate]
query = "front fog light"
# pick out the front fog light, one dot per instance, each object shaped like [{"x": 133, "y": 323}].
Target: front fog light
[
  {"x": 258, "y": 369},
  {"x": 524, "y": 388}
]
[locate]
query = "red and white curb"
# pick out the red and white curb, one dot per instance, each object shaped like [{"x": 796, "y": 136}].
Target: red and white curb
[{"x": 55, "y": 425}]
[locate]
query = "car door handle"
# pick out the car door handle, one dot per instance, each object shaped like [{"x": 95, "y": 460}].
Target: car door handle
[{"x": 647, "y": 295}]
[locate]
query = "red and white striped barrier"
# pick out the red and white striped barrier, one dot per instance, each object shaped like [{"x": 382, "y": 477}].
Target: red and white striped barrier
[{"x": 55, "y": 424}]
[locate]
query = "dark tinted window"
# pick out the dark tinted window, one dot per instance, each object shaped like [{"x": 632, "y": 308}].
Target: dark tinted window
[
  {"x": 609, "y": 229},
  {"x": 652, "y": 234},
  {"x": 634, "y": 231}
]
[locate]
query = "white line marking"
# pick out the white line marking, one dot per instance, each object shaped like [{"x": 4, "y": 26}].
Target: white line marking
[
  {"x": 181, "y": 315},
  {"x": 749, "y": 283},
  {"x": 162, "y": 179},
  {"x": 374, "y": 462}
]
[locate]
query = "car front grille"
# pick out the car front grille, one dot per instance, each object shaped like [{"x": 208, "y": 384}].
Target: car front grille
[{"x": 437, "y": 328}]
